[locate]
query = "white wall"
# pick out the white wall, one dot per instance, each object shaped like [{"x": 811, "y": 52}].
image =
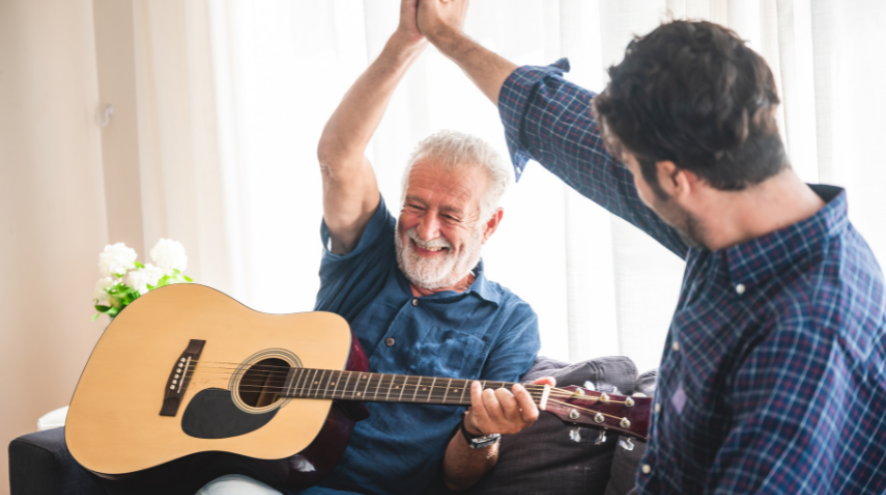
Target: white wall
[{"x": 52, "y": 212}]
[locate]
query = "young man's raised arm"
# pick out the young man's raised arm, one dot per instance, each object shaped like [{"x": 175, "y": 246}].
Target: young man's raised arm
[
  {"x": 441, "y": 22},
  {"x": 546, "y": 118},
  {"x": 350, "y": 191}
]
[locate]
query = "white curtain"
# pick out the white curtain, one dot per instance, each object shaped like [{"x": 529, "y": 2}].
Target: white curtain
[{"x": 233, "y": 95}]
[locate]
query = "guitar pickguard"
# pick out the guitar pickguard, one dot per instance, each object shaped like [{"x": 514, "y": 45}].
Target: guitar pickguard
[{"x": 212, "y": 414}]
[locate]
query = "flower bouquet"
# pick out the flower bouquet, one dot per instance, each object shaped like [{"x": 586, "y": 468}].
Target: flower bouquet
[{"x": 124, "y": 279}]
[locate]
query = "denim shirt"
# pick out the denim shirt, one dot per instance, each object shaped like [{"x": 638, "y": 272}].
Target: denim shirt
[{"x": 485, "y": 333}]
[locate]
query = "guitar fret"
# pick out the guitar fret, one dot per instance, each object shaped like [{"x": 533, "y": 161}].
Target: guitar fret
[
  {"x": 431, "y": 391},
  {"x": 403, "y": 388},
  {"x": 378, "y": 386},
  {"x": 311, "y": 383},
  {"x": 390, "y": 387},
  {"x": 293, "y": 387},
  {"x": 337, "y": 381},
  {"x": 447, "y": 390},
  {"x": 287, "y": 385},
  {"x": 368, "y": 378},
  {"x": 319, "y": 384},
  {"x": 466, "y": 385},
  {"x": 418, "y": 384},
  {"x": 344, "y": 390}
]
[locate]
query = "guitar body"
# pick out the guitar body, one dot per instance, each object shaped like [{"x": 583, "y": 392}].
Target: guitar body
[{"x": 184, "y": 385}]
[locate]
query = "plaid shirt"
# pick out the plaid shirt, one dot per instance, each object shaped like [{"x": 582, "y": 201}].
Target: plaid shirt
[{"x": 774, "y": 369}]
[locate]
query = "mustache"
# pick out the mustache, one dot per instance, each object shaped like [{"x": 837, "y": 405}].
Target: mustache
[{"x": 439, "y": 242}]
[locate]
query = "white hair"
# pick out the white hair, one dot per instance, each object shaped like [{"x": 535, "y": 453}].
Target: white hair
[{"x": 453, "y": 149}]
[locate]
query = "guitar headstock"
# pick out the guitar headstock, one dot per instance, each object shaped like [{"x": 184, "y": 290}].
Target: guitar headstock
[{"x": 580, "y": 407}]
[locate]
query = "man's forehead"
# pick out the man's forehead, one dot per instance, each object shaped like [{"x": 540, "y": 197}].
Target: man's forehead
[{"x": 462, "y": 182}]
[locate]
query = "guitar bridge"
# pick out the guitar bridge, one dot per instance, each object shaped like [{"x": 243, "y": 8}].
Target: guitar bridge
[{"x": 180, "y": 376}]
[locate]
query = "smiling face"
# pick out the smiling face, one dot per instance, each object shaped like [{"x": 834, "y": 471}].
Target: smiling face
[{"x": 440, "y": 233}]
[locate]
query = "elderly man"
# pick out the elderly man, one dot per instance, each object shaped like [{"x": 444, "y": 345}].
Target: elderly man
[
  {"x": 415, "y": 294},
  {"x": 773, "y": 378}
]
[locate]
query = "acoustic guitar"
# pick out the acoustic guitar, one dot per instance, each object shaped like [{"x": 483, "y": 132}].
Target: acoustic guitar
[{"x": 187, "y": 384}]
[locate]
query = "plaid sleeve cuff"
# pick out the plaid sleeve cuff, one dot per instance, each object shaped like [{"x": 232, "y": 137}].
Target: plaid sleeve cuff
[{"x": 513, "y": 98}]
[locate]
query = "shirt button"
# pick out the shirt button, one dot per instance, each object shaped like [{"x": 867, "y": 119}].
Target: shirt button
[
  {"x": 647, "y": 469},
  {"x": 390, "y": 341},
  {"x": 415, "y": 302},
  {"x": 657, "y": 407},
  {"x": 739, "y": 289},
  {"x": 675, "y": 346}
]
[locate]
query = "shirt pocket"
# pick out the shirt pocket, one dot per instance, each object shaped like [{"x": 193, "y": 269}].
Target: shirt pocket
[{"x": 448, "y": 354}]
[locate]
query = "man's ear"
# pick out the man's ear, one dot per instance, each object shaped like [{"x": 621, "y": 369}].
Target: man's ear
[
  {"x": 677, "y": 182},
  {"x": 492, "y": 224}
]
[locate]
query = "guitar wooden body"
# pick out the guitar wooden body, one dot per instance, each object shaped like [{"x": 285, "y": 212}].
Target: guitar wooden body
[{"x": 115, "y": 427}]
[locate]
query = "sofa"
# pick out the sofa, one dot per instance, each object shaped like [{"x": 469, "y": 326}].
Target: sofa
[{"x": 545, "y": 458}]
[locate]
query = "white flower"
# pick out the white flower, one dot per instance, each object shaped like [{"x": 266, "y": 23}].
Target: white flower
[
  {"x": 169, "y": 255},
  {"x": 143, "y": 277},
  {"x": 101, "y": 289},
  {"x": 116, "y": 259}
]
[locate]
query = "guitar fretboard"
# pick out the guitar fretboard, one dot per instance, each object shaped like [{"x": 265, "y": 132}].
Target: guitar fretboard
[{"x": 308, "y": 383}]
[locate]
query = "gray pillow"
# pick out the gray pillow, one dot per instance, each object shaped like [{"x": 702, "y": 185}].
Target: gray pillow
[
  {"x": 623, "y": 474},
  {"x": 542, "y": 458}
]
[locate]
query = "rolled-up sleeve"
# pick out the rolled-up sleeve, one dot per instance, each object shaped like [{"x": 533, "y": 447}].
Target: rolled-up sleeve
[{"x": 550, "y": 120}]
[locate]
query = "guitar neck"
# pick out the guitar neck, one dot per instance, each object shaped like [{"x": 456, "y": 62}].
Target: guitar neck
[{"x": 307, "y": 383}]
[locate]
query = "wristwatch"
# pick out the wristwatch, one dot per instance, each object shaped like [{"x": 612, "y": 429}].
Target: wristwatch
[{"x": 480, "y": 442}]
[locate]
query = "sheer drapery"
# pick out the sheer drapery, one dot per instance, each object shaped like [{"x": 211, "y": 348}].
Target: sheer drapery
[{"x": 233, "y": 95}]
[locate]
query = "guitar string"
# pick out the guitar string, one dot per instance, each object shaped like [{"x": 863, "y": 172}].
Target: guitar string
[
  {"x": 383, "y": 388},
  {"x": 260, "y": 383},
  {"x": 225, "y": 371},
  {"x": 554, "y": 392},
  {"x": 536, "y": 396},
  {"x": 340, "y": 394}
]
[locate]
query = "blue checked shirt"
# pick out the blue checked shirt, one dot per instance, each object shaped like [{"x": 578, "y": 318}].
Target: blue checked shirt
[{"x": 773, "y": 377}]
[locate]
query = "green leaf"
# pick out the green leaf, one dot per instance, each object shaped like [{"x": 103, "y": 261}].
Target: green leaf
[
  {"x": 139, "y": 265},
  {"x": 188, "y": 279},
  {"x": 95, "y": 316}
]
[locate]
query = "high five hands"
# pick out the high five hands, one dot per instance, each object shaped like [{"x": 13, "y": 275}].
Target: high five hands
[
  {"x": 431, "y": 19},
  {"x": 439, "y": 18}
]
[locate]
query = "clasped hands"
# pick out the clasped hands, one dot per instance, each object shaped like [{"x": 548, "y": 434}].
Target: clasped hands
[
  {"x": 502, "y": 411},
  {"x": 431, "y": 19}
]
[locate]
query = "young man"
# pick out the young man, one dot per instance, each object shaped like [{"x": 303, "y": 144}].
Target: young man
[
  {"x": 414, "y": 290},
  {"x": 773, "y": 378}
]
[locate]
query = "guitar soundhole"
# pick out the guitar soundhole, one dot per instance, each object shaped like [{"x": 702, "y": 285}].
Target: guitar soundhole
[{"x": 262, "y": 382}]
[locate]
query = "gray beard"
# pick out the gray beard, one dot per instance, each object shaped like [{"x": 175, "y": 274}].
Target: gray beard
[{"x": 438, "y": 273}]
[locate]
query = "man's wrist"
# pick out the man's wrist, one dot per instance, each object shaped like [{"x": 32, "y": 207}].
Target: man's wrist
[
  {"x": 401, "y": 42},
  {"x": 469, "y": 429}
]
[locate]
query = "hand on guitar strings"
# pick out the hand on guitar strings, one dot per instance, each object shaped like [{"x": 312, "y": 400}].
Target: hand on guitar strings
[{"x": 502, "y": 411}]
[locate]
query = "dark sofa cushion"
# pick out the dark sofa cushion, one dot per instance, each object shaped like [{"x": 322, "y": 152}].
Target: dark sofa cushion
[
  {"x": 40, "y": 464},
  {"x": 542, "y": 458}
]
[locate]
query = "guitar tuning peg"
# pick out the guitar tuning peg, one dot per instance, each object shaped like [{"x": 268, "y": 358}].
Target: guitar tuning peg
[
  {"x": 626, "y": 443},
  {"x": 601, "y": 438},
  {"x": 575, "y": 434}
]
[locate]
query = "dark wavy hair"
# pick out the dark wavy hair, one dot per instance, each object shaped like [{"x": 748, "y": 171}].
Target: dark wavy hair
[{"x": 695, "y": 94}]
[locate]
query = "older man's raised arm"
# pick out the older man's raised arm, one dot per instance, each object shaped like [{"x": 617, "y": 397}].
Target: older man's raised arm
[{"x": 350, "y": 191}]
